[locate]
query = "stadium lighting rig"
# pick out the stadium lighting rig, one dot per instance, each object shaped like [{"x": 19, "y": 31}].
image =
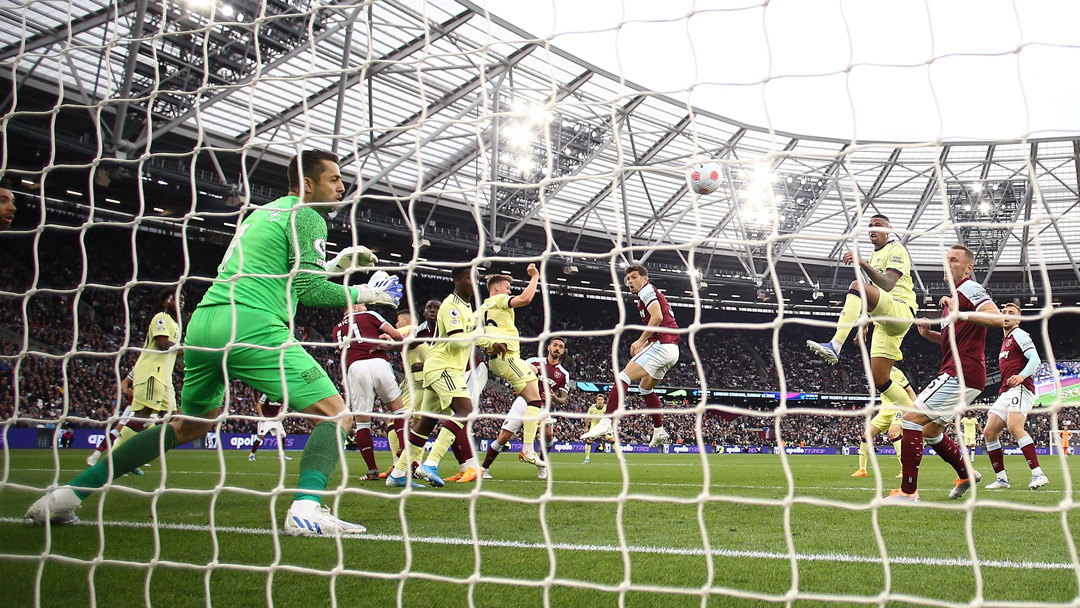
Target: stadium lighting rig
[
  {"x": 534, "y": 144},
  {"x": 984, "y": 210},
  {"x": 234, "y": 49},
  {"x": 768, "y": 200}
]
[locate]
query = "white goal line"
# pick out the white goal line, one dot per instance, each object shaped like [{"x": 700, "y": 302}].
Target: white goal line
[{"x": 963, "y": 562}]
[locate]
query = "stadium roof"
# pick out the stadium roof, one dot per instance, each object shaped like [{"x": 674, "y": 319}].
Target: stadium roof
[{"x": 421, "y": 98}]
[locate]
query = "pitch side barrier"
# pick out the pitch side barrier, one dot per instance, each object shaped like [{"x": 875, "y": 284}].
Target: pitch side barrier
[{"x": 85, "y": 439}]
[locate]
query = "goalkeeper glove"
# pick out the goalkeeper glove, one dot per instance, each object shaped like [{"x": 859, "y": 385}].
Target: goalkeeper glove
[
  {"x": 352, "y": 257},
  {"x": 380, "y": 289}
]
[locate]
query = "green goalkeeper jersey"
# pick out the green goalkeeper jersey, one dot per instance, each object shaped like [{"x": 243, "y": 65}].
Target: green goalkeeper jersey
[{"x": 276, "y": 261}]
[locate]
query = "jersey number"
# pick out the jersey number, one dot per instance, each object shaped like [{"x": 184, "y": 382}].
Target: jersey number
[{"x": 232, "y": 246}]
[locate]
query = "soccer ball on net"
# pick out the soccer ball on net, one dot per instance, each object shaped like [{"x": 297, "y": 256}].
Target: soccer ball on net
[{"x": 704, "y": 177}]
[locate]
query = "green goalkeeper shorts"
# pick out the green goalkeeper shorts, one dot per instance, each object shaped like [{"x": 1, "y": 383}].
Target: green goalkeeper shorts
[{"x": 262, "y": 355}]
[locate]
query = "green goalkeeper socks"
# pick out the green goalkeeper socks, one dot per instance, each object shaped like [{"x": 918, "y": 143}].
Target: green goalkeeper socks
[
  {"x": 319, "y": 460},
  {"x": 137, "y": 451}
]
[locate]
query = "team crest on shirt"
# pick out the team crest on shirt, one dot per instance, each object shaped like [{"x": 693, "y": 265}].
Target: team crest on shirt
[{"x": 320, "y": 247}]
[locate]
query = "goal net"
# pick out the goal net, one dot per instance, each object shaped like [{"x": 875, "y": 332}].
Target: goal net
[{"x": 143, "y": 139}]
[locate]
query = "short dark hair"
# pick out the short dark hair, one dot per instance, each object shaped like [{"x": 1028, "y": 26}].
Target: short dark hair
[
  {"x": 638, "y": 268},
  {"x": 559, "y": 338},
  {"x": 495, "y": 278},
  {"x": 167, "y": 293},
  {"x": 460, "y": 271},
  {"x": 969, "y": 253},
  {"x": 880, "y": 216},
  {"x": 308, "y": 164}
]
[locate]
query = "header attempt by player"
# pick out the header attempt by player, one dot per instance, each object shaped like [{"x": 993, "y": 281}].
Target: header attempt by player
[
  {"x": 240, "y": 331},
  {"x": 653, "y": 354},
  {"x": 890, "y": 302},
  {"x": 498, "y": 316}
]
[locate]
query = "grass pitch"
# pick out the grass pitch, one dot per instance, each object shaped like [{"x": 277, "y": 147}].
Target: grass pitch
[{"x": 747, "y": 533}]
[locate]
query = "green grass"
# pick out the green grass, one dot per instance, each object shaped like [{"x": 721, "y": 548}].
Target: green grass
[{"x": 668, "y": 515}]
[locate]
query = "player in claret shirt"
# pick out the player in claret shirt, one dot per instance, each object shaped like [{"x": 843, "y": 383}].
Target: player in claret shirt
[
  {"x": 368, "y": 374},
  {"x": 653, "y": 354},
  {"x": 965, "y": 317},
  {"x": 1018, "y": 361}
]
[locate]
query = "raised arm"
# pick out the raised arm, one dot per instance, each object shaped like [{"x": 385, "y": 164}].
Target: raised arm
[
  {"x": 525, "y": 297},
  {"x": 310, "y": 283}
]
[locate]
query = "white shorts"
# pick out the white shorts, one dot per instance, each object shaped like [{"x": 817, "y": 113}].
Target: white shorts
[
  {"x": 1017, "y": 399},
  {"x": 476, "y": 380},
  {"x": 270, "y": 427},
  {"x": 944, "y": 399},
  {"x": 515, "y": 419},
  {"x": 368, "y": 378},
  {"x": 126, "y": 416},
  {"x": 656, "y": 359}
]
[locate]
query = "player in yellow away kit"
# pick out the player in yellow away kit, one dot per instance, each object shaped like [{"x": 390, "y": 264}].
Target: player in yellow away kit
[
  {"x": 497, "y": 314},
  {"x": 596, "y": 412},
  {"x": 445, "y": 391},
  {"x": 890, "y": 302},
  {"x": 971, "y": 429},
  {"x": 150, "y": 382}
]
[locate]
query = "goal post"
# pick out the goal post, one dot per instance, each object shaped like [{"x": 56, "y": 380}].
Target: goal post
[{"x": 141, "y": 140}]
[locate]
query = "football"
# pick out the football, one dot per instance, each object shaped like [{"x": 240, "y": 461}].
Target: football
[{"x": 704, "y": 177}]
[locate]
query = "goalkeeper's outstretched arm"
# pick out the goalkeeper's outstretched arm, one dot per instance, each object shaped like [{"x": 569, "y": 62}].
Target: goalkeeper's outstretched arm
[{"x": 315, "y": 290}]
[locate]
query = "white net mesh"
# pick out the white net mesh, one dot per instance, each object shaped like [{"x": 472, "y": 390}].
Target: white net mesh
[{"x": 139, "y": 135}]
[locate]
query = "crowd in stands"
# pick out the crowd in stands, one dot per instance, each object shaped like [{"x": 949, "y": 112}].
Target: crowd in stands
[{"x": 86, "y": 306}]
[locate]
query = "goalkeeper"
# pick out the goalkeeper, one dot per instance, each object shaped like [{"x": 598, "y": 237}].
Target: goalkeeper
[{"x": 240, "y": 331}]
